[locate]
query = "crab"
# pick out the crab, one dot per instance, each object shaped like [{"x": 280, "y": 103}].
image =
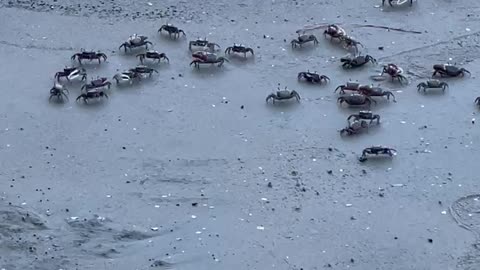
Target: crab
[
  {"x": 350, "y": 42},
  {"x": 153, "y": 55},
  {"x": 449, "y": 70},
  {"x": 350, "y": 86},
  {"x": 283, "y": 95},
  {"x": 334, "y": 31},
  {"x": 239, "y": 49},
  {"x": 58, "y": 91},
  {"x": 377, "y": 150},
  {"x": 375, "y": 92},
  {"x": 204, "y": 44},
  {"x": 171, "y": 29},
  {"x": 365, "y": 115},
  {"x": 89, "y": 55},
  {"x": 97, "y": 83},
  {"x": 356, "y": 100},
  {"x": 135, "y": 41},
  {"x": 71, "y": 72},
  {"x": 435, "y": 84},
  {"x": 141, "y": 69},
  {"x": 91, "y": 94},
  {"x": 394, "y": 71},
  {"x": 127, "y": 76},
  {"x": 354, "y": 127},
  {"x": 477, "y": 101},
  {"x": 312, "y": 77},
  {"x": 358, "y": 61},
  {"x": 391, "y": 1},
  {"x": 203, "y": 57},
  {"x": 302, "y": 39}
]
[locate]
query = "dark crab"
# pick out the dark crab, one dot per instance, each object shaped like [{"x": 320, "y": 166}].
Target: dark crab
[
  {"x": 449, "y": 70},
  {"x": 302, "y": 39},
  {"x": 349, "y": 42},
  {"x": 204, "y": 44},
  {"x": 376, "y": 92},
  {"x": 312, "y": 77},
  {"x": 377, "y": 150},
  {"x": 283, "y": 95},
  {"x": 239, "y": 49},
  {"x": 358, "y": 61},
  {"x": 355, "y": 127},
  {"x": 135, "y": 41},
  {"x": 202, "y": 57},
  {"x": 142, "y": 70},
  {"x": 391, "y": 1},
  {"x": 91, "y": 55},
  {"x": 92, "y": 94},
  {"x": 365, "y": 115},
  {"x": 171, "y": 29},
  {"x": 126, "y": 76},
  {"x": 356, "y": 100},
  {"x": 395, "y": 72},
  {"x": 477, "y": 101},
  {"x": 58, "y": 91},
  {"x": 153, "y": 55},
  {"x": 71, "y": 73},
  {"x": 334, "y": 31},
  {"x": 434, "y": 84},
  {"x": 349, "y": 86},
  {"x": 97, "y": 83}
]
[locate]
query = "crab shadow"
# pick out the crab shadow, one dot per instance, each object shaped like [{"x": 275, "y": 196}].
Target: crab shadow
[
  {"x": 238, "y": 59},
  {"x": 170, "y": 40},
  {"x": 304, "y": 50},
  {"x": 134, "y": 52},
  {"x": 434, "y": 93},
  {"x": 356, "y": 69},
  {"x": 94, "y": 104},
  {"x": 58, "y": 102},
  {"x": 375, "y": 161},
  {"x": 397, "y": 8},
  {"x": 90, "y": 65},
  {"x": 125, "y": 86},
  {"x": 355, "y": 108},
  {"x": 308, "y": 85},
  {"x": 336, "y": 46},
  {"x": 281, "y": 105},
  {"x": 207, "y": 70}
]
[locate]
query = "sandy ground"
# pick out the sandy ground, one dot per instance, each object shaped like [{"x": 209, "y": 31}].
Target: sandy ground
[{"x": 193, "y": 170}]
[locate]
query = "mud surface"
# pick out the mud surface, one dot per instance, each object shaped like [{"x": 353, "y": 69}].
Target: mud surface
[{"x": 191, "y": 169}]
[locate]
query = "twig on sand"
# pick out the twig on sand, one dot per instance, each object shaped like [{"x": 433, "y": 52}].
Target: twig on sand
[
  {"x": 388, "y": 28},
  {"x": 317, "y": 26}
]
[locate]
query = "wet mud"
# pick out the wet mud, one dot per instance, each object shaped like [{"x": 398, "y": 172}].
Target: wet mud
[{"x": 192, "y": 169}]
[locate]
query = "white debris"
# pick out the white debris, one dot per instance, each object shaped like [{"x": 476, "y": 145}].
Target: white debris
[
  {"x": 261, "y": 228},
  {"x": 154, "y": 229},
  {"x": 444, "y": 212},
  {"x": 397, "y": 185},
  {"x": 348, "y": 204},
  {"x": 193, "y": 216}
]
